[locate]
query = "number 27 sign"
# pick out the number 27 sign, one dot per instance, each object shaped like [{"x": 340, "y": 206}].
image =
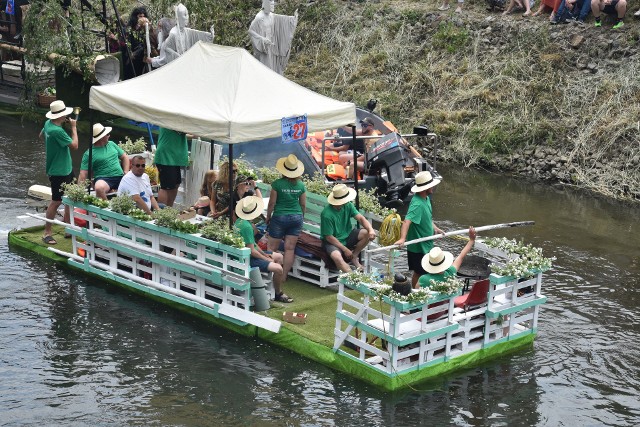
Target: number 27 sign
[{"x": 294, "y": 129}]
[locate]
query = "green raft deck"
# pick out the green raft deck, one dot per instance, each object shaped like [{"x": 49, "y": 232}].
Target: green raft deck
[{"x": 340, "y": 330}]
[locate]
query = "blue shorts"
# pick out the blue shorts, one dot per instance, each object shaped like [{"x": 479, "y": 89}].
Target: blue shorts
[
  {"x": 262, "y": 264},
  {"x": 285, "y": 225},
  {"x": 112, "y": 181}
]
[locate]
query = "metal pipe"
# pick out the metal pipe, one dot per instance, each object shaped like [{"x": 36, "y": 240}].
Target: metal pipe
[
  {"x": 355, "y": 164},
  {"x": 456, "y": 232},
  {"x": 231, "y": 178}
]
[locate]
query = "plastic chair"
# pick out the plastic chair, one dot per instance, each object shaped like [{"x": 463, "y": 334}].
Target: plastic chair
[{"x": 477, "y": 295}]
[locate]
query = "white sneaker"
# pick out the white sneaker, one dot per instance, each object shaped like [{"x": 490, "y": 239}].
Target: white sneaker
[
  {"x": 458, "y": 9},
  {"x": 444, "y": 7}
]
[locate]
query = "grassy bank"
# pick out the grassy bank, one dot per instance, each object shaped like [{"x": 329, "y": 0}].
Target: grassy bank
[{"x": 504, "y": 92}]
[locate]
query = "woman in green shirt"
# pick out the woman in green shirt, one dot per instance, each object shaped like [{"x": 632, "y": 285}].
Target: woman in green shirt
[{"x": 287, "y": 204}]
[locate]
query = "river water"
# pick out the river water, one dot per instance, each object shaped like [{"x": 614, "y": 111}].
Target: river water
[{"x": 75, "y": 352}]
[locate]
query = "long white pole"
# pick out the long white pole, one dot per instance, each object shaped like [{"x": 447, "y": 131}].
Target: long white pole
[{"x": 457, "y": 232}]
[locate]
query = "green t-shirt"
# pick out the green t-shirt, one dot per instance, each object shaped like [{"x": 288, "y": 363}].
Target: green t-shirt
[
  {"x": 245, "y": 229},
  {"x": 425, "y": 279},
  {"x": 105, "y": 160},
  {"x": 337, "y": 223},
  {"x": 421, "y": 224},
  {"x": 172, "y": 149},
  {"x": 57, "y": 143},
  {"x": 288, "y": 201}
]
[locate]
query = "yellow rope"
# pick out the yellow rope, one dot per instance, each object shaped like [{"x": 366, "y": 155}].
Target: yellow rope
[{"x": 389, "y": 231}]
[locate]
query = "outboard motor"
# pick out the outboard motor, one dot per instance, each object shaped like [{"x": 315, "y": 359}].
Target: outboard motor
[{"x": 387, "y": 159}]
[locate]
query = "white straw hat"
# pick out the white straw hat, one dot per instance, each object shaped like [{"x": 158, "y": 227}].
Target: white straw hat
[
  {"x": 437, "y": 261},
  {"x": 424, "y": 181},
  {"x": 341, "y": 194},
  {"x": 99, "y": 132},
  {"x": 290, "y": 166},
  {"x": 58, "y": 109},
  {"x": 249, "y": 207}
]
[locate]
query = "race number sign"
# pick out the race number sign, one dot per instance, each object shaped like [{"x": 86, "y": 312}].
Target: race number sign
[{"x": 294, "y": 129}]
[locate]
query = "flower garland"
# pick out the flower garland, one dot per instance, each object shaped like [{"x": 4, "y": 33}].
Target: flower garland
[
  {"x": 449, "y": 286},
  {"x": 527, "y": 258},
  {"x": 381, "y": 289}
]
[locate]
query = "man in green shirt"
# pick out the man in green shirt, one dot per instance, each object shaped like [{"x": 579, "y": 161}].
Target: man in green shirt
[
  {"x": 58, "y": 163},
  {"x": 439, "y": 265},
  {"x": 339, "y": 240},
  {"x": 172, "y": 154},
  {"x": 248, "y": 209},
  {"x": 109, "y": 162},
  {"x": 419, "y": 223}
]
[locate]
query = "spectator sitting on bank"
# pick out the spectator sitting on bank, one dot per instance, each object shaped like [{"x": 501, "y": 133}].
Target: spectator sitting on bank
[
  {"x": 439, "y": 265},
  {"x": 220, "y": 199},
  {"x": 516, "y": 5},
  {"x": 615, "y": 8},
  {"x": 445, "y": 6},
  {"x": 58, "y": 160},
  {"x": 137, "y": 185},
  {"x": 573, "y": 9},
  {"x": 548, "y": 4},
  {"x": 109, "y": 162},
  {"x": 247, "y": 210},
  {"x": 339, "y": 240}
]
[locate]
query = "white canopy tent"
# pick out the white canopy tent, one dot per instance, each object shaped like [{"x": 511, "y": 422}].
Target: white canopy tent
[{"x": 222, "y": 93}]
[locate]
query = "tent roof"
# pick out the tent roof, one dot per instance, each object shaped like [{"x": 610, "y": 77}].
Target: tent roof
[{"x": 222, "y": 93}]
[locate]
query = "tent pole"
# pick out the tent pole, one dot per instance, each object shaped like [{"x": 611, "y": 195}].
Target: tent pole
[
  {"x": 231, "y": 178},
  {"x": 354, "y": 168}
]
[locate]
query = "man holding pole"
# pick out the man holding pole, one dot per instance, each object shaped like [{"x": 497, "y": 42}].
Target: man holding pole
[
  {"x": 59, "y": 170},
  {"x": 419, "y": 223}
]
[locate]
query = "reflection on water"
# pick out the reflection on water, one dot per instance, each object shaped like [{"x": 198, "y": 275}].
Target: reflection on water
[{"x": 74, "y": 351}]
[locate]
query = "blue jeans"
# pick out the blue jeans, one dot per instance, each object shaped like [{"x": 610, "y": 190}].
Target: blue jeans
[
  {"x": 580, "y": 11},
  {"x": 285, "y": 225}
]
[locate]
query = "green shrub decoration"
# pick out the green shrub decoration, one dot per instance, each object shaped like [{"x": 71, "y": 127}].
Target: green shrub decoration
[
  {"x": 133, "y": 147},
  {"x": 218, "y": 231},
  {"x": 122, "y": 204},
  {"x": 268, "y": 175},
  {"x": 168, "y": 217},
  {"x": 316, "y": 184}
]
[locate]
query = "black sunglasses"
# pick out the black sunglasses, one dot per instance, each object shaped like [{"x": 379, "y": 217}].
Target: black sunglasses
[{"x": 140, "y": 165}]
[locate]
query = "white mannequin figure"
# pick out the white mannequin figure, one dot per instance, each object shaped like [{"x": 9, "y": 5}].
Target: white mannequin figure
[
  {"x": 271, "y": 35},
  {"x": 181, "y": 38}
]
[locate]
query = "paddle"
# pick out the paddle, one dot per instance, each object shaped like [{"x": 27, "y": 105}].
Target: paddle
[{"x": 457, "y": 232}]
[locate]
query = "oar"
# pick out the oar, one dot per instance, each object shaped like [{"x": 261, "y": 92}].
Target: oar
[{"x": 457, "y": 232}]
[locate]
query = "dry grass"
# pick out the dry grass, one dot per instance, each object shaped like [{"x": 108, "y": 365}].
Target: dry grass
[{"x": 485, "y": 91}]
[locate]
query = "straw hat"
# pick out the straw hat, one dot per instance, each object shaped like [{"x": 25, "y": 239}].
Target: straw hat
[
  {"x": 341, "y": 194},
  {"x": 290, "y": 166},
  {"x": 437, "y": 261},
  {"x": 249, "y": 207},
  {"x": 202, "y": 202},
  {"x": 424, "y": 181},
  {"x": 58, "y": 109},
  {"x": 99, "y": 132}
]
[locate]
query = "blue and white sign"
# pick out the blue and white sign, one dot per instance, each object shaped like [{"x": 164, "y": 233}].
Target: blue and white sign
[{"x": 294, "y": 129}]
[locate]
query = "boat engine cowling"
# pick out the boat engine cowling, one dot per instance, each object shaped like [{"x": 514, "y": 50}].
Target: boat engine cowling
[{"x": 387, "y": 159}]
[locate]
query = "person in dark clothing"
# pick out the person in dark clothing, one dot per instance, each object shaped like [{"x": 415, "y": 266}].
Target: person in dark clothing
[{"x": 136, "y": 38}]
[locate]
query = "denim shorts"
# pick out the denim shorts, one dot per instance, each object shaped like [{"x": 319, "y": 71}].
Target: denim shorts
[
  {"x": 112, "y": 181},
  {"x": 262, "y": 264},
  {"x": 285, "y": 225}
]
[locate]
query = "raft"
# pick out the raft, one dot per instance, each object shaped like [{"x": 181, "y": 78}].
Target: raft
[{"x": 388, "y": 344}]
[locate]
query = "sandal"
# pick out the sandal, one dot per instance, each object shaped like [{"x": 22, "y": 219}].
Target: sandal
[
  {"x": 282, "y": 297},
  {"x": 49, "y": 240}
]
